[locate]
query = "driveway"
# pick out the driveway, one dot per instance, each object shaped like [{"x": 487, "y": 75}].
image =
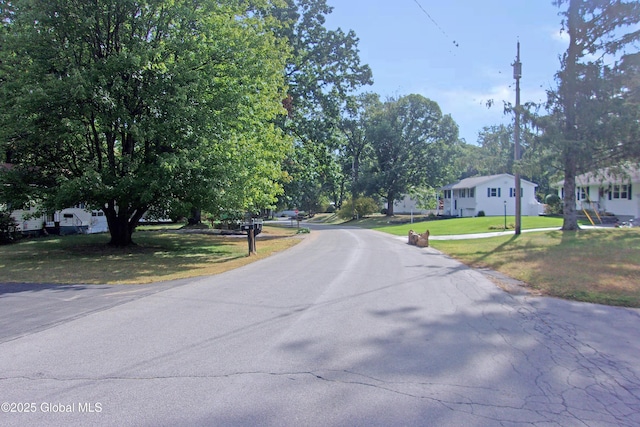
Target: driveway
[{"x": 350, "y": 327}]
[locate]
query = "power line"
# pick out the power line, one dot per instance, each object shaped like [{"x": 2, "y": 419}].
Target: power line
[{"x": 434, "y": 22}]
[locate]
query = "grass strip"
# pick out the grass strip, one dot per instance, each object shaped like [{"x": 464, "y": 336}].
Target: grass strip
[
  {"x": 456, "y": 226},
  {"x": 598, "y": 266},
  {"x": 157, "y": 256}
]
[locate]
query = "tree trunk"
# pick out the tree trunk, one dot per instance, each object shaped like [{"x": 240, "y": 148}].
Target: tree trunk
[
  {"x": 122, "y": 223},
  {"x": 390, "y": 200},
  {"x": 120, "y": 230},
  {"x": 570, "y": 217},
  {"x": 355, "y": 187},
  {"x": 569, "y": 84},
  {"x": 196, "y": 216}
]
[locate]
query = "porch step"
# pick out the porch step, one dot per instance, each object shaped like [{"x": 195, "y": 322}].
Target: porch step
[{"x": 606, "y": 219}]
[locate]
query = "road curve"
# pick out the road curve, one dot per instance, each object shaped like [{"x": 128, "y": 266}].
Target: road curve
[{"x": 350, "y": 327}]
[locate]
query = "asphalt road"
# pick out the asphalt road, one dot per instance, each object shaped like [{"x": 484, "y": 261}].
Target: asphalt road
[{"x": 349, "y": 328}]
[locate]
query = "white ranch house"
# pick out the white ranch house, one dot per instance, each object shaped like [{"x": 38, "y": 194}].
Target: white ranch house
[
  {"x": 408, "y": 206},
  {"x": 76, "y": 220},
  {"x": 610, "y": 190},
  {"x": 492, "y": 195}
]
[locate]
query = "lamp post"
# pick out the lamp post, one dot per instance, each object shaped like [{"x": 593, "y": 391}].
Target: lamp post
[{"x": 505, "y": 215}]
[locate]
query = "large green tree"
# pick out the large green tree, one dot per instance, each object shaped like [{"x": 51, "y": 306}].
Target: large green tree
[
  {"x": 324, "y": 70},
  {"x": 591, "y": 121},
  {"x": 414, "y": 146},
  {"x": 130, "y": 105},
  {"x": 355, "y": 147}
]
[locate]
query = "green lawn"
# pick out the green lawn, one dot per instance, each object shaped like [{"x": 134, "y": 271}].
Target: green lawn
[
  {"x": 598, "y": 265},
  {"x": 159, "y": 255},
  {"x": 456, "y": 226}
]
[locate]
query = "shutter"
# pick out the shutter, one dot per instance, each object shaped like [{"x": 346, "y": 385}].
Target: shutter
[
  {"x": 499, "y": 192},
  {"x": 629, "y": 191},
  {"x": 488, "y": 192}
]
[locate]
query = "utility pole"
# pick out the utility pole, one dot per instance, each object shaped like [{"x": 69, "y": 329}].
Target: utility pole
[{"x": 517, "y": 73}]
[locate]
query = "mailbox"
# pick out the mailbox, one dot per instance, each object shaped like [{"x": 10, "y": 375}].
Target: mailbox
[
  {"x": 252, "y": 229},
  {"x": 255, "y": 226}
]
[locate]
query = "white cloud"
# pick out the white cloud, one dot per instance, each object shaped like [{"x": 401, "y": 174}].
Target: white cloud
[
  {"x": 560, "y": 36},
  {"x": 470, "y": 109},
  {"x": 474, "y": 102}
]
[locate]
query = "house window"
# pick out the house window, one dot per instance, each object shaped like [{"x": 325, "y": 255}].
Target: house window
[
  {"x": 582, "y": 193},
  {"x": 512, "y": 192},
  {"x": 472, "y": 192},
  {"x": 493, "y": 192},
  {"x": 620, "y": 192},
  {"x": 447, "y": 194},
  {"x": 463, "y": 193}
]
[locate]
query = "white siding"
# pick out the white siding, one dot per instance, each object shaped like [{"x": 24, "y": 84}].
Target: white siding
[
  {"x": 489, "y": 196},
  {"x": 602, "y": 199},
  {"x": 27, "y": 223},
  {"x": 601, "y": 192},
  {"x": 72, "y": 219},
  {"x": 88, "y": 221},
  {"x": 407, "y": 206}
]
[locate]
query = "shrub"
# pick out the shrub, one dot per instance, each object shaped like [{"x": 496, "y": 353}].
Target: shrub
[
  {"x": 553, "y": 204},
  {"x": 552, "y": 199},
  {"x": 363, "y": 206},
  {"x": 481, "y": 213},
  {"x": 8, "y": 228},
  {"x": 231, "y": 220}
]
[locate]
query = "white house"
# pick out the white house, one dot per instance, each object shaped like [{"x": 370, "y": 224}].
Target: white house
[
  {"x": 494, "y": 195},
  {"x": 80, "y": 220},
  {"x": 610, "y": 190},
  {"x": 76, "y": 220},
  {"x": 408, "y": 206}
]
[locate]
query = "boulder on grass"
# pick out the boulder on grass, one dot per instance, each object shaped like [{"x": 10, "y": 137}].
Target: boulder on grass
[
  {"x": 420, "y": 240},
  {"x": 413, "y": 237},
  {"x": 423, "y": 240}
]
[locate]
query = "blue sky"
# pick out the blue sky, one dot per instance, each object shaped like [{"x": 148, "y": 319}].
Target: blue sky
[{"x": 409, "y": 53}]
